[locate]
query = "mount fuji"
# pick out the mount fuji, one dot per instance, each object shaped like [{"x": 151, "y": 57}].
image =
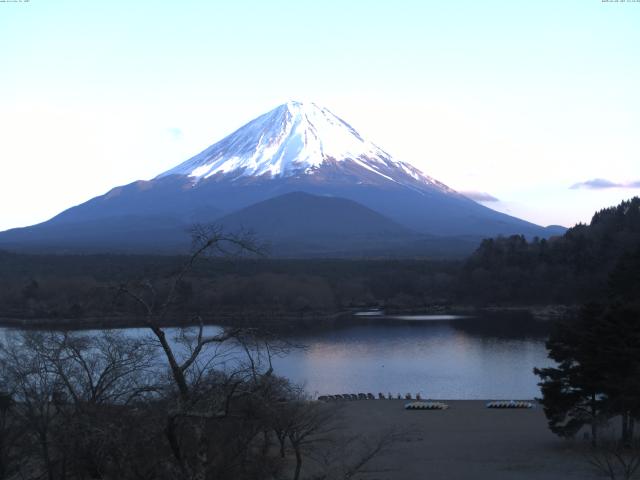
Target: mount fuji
[
  {"x": 299, "y": 139},
  {"x": 299, "y": 176}
]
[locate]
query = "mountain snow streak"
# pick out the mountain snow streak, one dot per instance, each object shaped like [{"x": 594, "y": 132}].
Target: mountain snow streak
[{"x": 293, "y": 139}]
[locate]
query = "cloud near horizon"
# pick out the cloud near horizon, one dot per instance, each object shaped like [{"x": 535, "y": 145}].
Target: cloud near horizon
[
  {"x": 480, "y": 196},
  {"x": 603, "y": 183}
]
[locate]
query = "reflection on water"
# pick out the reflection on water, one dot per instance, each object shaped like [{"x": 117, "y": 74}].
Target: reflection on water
[
  {"x": 411, "y": 318},
  {"x": 444, "y": 358},
  {"x": 426, "y": 318}
]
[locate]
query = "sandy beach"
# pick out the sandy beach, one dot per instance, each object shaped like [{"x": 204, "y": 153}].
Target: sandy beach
[{"x": 467, "y": 441}]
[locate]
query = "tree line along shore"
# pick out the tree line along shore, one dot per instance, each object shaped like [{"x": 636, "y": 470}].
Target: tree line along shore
[{"x": 503, "y": 272}]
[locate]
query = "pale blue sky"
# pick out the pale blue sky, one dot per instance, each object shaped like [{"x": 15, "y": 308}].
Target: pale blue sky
[{"x": 520, "y": 99}]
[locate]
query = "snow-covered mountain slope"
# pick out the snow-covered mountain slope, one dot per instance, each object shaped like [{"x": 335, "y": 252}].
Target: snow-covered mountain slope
[
  {"x": 297, "y": 147},
  {"x": 299, "y": 139}
]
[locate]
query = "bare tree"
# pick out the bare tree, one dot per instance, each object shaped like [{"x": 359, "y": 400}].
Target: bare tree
[
  {"x": 69, "y": 393},
  {"x": 309, "y": 423},
  {"x": 206, "y": 241},
  {"x": 201, "y": 397},
  {"x": 37, "y": 393},
  {"x": 10, "y": 434},
  {"x": 615, "y": 460},
  {"x": 102, "y": 375},
  {"x": 104, "y": 368}
]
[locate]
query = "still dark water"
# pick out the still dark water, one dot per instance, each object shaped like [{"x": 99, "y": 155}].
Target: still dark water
[
  {"x": 468, "y": 358},
  {"x": 439, "y": 357}
]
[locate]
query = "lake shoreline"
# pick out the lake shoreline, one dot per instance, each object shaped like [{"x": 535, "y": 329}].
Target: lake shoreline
[
  {"x": 279, "y": 320},
  {"x": 494, "y": 356},
  {"x": 467, "y": 442}
]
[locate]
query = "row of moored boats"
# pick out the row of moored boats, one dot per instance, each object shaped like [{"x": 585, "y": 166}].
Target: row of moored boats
[
  {"x": 366, "y": 396},
  {"x": 420, "y": 404}
]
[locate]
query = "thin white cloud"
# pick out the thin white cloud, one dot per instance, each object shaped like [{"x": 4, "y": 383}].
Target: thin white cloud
[
  {"x": 602, "y": 183},
  {"x": 480, "y": 196}
]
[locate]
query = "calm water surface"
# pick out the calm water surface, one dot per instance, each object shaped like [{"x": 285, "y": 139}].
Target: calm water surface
[
  {"x": 446, "y": 358},
  {"x": 441, "y": 357}
]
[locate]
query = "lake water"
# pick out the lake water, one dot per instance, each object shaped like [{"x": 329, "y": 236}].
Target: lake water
[{"x": 440, "y": 357}]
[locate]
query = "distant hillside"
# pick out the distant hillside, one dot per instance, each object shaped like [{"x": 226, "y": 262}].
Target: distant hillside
[
  {"x": 299, "y": 215},
  {"x": 123, "y": 234},
  {"x": 300, "y": 224}
]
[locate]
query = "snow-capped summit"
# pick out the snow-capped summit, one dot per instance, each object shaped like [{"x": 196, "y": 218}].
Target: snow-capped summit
[{"x": 297, "y": 138}]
